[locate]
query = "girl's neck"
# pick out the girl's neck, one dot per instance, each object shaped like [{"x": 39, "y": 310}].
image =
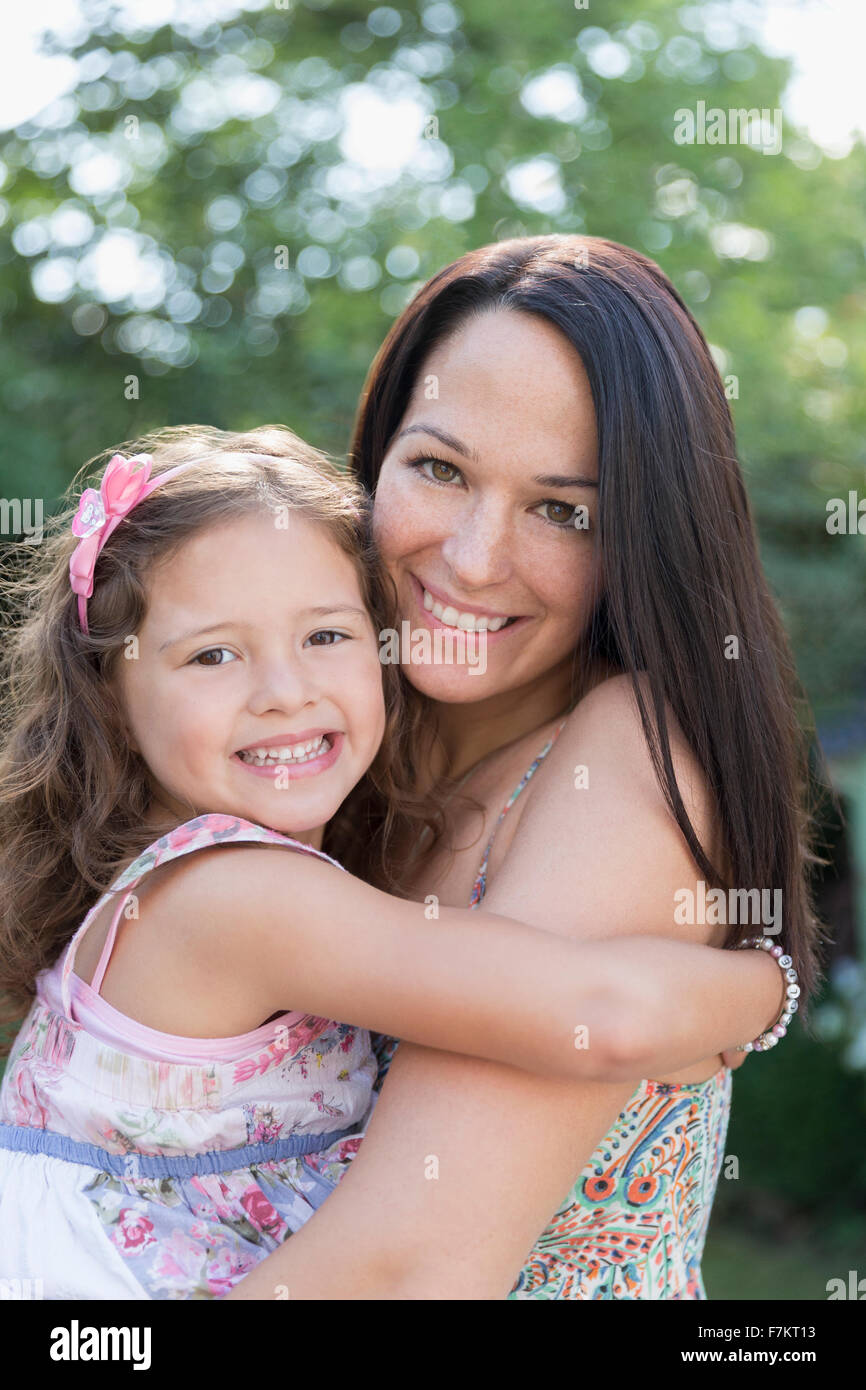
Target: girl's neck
[{"x": 162, "y": 818}]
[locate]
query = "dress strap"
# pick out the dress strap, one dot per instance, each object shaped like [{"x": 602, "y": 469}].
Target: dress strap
[
  {"x": 200, "y": 833},
  {"x": 102, "y": 966},
  {"x": 480, "y": 885}
]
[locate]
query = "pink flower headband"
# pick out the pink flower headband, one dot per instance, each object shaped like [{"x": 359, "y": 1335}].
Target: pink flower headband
[{"x": 124, "y": 483}]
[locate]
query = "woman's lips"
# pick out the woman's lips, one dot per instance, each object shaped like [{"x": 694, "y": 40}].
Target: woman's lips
[
  {"x": 433, "y": 622},
  {"x": 295, "y": 771}
]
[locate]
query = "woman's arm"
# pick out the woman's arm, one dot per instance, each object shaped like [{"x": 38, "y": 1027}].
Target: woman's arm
[{"x": 465, "y": 1161}]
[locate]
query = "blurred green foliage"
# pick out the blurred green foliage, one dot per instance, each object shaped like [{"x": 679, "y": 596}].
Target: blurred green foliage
[
  {"x": 792, "y": 1214},
  {"x": 376, "y": 146}
]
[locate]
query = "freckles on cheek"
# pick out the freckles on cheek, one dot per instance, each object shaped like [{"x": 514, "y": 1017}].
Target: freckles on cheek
[
  {"x": 400, "y": 516},
  {"x": 565, "y": 595},
  {"x": 386, "y": 532}
]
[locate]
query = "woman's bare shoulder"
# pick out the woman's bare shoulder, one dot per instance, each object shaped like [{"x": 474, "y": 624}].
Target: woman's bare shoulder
[
  {"x": 606, "y": 727},
  {"x": 597, "y": 830},
  {"x": 613, "y": 699}
]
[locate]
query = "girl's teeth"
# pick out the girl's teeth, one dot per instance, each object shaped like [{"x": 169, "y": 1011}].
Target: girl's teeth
[
  {"x": 297, "y": 753},
  {"x": 452, "y": 617}
]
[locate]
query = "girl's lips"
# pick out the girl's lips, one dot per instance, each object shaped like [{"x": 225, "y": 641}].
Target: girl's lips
[
  {"x": 295, "y": 771},
  {"x": 433, "y": 622}
]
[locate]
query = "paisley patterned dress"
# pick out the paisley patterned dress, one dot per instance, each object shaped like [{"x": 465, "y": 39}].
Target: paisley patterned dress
[{"x": 633, "y": 1225}]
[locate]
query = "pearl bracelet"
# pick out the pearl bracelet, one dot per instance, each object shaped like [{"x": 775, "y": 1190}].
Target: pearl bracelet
[{"x": 765, "y": 1041}]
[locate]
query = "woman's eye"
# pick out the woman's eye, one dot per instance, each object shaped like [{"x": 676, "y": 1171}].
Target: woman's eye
[
  {"x": 437, "y": 470},
  {"x": 325, "y": 633},
  {"x": 440, "y": 470},
  {"x": 210, "y": 652},
  {"x": 563, "y": 514}
]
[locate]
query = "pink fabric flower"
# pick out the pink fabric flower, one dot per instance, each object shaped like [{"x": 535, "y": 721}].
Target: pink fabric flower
[
  {"x": 23, "y": 1100},
  {"x": 100, "y": 512},
  {"x": 207, "y": 1231}
]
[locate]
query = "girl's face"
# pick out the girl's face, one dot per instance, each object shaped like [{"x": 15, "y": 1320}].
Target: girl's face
[
  {"x": 477, "y": 499},
  {"x": 255, "y": 638}
]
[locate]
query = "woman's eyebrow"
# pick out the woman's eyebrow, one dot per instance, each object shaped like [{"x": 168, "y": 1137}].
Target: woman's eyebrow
[
  {"x": 559, "y": 480},
  {"x": 543, "y": 480},
  {"x": 444, "y": 438}
]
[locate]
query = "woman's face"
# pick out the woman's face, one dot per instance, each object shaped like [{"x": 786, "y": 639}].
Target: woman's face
[{"x": 482, "y": 526}]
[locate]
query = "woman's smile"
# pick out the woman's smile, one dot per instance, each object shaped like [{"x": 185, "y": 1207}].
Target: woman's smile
[{"x": 437, "y": 609}]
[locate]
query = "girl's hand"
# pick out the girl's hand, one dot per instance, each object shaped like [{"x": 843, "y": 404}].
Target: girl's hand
[{"x": 734, "y": 1059}]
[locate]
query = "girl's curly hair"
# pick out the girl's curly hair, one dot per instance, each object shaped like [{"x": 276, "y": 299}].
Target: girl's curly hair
[{"x": 73, "y": 794}]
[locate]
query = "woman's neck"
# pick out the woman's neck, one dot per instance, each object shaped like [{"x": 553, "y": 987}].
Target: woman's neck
[
  {"x": 469, "y": 732},
  {"x": 464, "y": 734}
]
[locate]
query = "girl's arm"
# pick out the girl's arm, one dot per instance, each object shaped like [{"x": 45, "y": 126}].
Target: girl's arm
[
  {"x": 465, "y": 1161},
  {"x": 318, "y": 940}
]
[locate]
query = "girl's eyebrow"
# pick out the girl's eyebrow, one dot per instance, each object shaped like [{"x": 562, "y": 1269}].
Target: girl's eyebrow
[
  {"x": 321, "y": 610},
  {"x": 196, "y": 632},
  {"x": 543, "y": 479}
]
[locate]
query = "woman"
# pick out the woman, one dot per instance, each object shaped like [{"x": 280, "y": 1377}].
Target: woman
[{"x": 550, "y": 447}]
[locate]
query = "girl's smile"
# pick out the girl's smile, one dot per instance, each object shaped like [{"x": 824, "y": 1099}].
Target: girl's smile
[
  {"x": 306, "y": 759},
  {"x": 284, "y": 725}
]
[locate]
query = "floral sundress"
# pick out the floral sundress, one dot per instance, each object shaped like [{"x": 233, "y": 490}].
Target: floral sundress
[{"x": 129, "y": 1176}]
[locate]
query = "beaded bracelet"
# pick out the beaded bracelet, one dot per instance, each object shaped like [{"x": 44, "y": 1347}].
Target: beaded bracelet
[{"x": 765, "y": 1041}]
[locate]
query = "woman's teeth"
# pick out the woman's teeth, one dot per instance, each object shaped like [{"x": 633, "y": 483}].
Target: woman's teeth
[
  {"x": 469, "y": 622},
  {"x": 297, "y": 753}
]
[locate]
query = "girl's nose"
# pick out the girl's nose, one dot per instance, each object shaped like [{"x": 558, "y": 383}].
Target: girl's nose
[{"x": 287, "y": 686}]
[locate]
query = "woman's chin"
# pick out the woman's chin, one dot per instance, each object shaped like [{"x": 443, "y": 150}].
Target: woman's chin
[{"x": 455, "y": 684}]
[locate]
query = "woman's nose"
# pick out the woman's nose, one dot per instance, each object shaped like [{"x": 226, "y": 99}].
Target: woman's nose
[{"x": 478, "y": 551}]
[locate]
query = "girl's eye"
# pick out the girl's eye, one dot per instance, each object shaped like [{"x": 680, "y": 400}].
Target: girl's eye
[
  {"x": 210, "y": 652},
  {"x": 326, "y": 632}
]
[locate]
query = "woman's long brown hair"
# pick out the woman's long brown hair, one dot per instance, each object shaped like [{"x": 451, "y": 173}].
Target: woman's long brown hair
[
  {"x": 73, "y": 795},
  {"x": 682, "y": 573}
]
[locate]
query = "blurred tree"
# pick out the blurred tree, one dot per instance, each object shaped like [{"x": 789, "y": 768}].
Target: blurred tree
[{"x": 142, "y": 279}]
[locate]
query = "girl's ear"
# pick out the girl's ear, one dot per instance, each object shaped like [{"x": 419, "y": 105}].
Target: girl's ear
[{"x": 119, "y": 709}]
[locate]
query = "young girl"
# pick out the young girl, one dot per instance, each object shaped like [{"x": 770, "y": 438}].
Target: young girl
[{"x": 197, "y": 667}]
